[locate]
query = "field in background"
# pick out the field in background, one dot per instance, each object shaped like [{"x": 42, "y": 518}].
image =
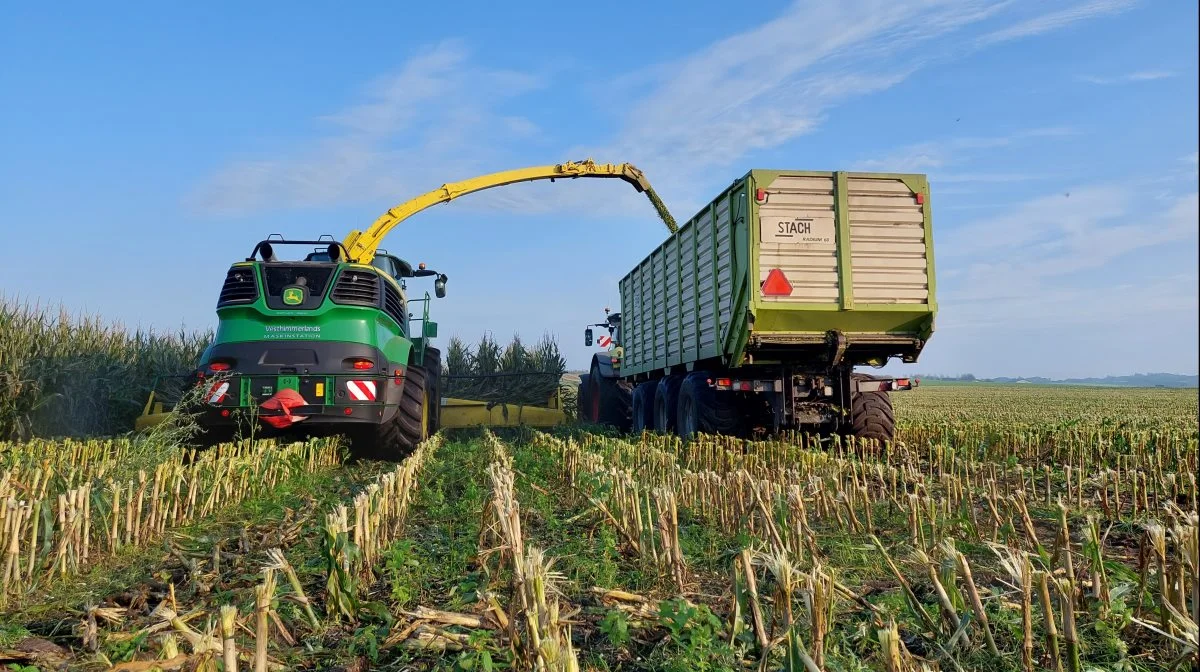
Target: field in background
[{"x": 1010, "y": 528}]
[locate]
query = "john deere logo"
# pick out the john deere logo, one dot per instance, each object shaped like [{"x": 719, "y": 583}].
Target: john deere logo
[{"x": 293, "y": 296}]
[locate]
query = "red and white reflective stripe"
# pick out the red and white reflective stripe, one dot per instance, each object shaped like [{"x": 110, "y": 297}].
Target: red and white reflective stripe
[
  {"x": 604, "y": 341},
  {"x": 361, "y": 390},
  {"x": 217, "y": 392}
]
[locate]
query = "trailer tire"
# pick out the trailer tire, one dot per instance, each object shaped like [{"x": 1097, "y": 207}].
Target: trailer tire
[
  {"x": 702, "y": 410},
  {"x": 610, "y": 400},
  {"x": 644, "y": 398},
  {"x": 871, "y": 414},
  {"x": 666, "y": 404}
]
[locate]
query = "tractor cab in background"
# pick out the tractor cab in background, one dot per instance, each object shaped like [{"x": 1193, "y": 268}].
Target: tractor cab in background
[
  {"x": 601, "y": 390},
  {"x": 612, "y": 322}
]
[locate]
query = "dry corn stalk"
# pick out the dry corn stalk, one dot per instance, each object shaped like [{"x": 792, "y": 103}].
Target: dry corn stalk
[
  {"x": 228, "y": 645},
  {"x": 263, "y": 594}
]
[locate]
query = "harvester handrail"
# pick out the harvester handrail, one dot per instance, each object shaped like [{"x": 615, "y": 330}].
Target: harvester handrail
[{"x": 362, "y": 245}]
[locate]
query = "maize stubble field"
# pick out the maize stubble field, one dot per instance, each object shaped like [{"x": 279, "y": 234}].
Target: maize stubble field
[{"x": 1008, "y": 528}]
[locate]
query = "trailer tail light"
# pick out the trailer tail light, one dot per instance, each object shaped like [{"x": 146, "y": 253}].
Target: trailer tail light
[
  {"x": 776, "y": 284},
  {"x": 760, "y": 195},
  {"x": 920, "y": 198},
  {"x": 724, "y": 383}
]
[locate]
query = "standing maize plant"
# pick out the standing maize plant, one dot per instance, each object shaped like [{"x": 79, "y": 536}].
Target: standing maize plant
[
  {"x": 78, "y": 376},
  {"x": 513, "y": 374}
]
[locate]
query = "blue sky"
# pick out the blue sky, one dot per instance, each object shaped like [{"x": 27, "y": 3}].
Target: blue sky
[{"x": 143, "y": 147}]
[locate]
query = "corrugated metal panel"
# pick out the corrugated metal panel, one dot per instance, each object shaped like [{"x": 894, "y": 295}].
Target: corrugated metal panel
[
  {"x": 642, "y": 308},
  {"x": 628, "y": 325},
  {"x": 628, "y": 286},
  {"x": 724, "y": 268},
  {"x": 687, "y": 298},
  {"x": 671, "y": 283},
  {"x": 887, "y": 242},
  {"x": 658, "y": 346},
  {"x": 706, "y": 283},
  {"x": 798, "y": 236},
  {"x": 631, "y": 317}
]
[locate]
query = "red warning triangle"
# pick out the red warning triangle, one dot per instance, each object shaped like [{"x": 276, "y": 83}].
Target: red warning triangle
[{"x": 776, "y": 284}]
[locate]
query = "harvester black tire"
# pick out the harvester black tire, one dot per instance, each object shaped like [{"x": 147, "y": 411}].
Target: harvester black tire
[
  {"x": 871, "y": 414},
  {"x": 611, "y": 400},
  {"x": 643, "y": 407},
  {"x": 666, "y": 404},
  {"x": 433, "y": 367},
  {"x": 395, "y": 439},
  {"x": 411, "y": 415},
  {"x": 702, "y": 410}
]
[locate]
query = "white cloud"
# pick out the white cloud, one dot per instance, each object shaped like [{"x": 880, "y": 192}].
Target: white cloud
[
  {"x": 1038, "y": 261},
  {"x": 1130, "y": 78},
  {"x": 431, "y": 121},
  {"x": 944, "y": 160},
  {"x": 437, "y": 117},
  {"x": 1056, "y": 20},
  {"x": 989, "y": 178}
]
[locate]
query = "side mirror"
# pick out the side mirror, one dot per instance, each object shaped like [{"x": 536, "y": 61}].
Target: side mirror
[
  {"x": 439, "y": 286},
  {"x": 587, "y": 337},
  {"x": 430, "y": 329}
]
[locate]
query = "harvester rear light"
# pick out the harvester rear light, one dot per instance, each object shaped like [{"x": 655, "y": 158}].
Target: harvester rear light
[
  {"x": 362, "y": 364},
  {"x": 776, "y": 284},
  {"x": 219, "y": 366}
]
